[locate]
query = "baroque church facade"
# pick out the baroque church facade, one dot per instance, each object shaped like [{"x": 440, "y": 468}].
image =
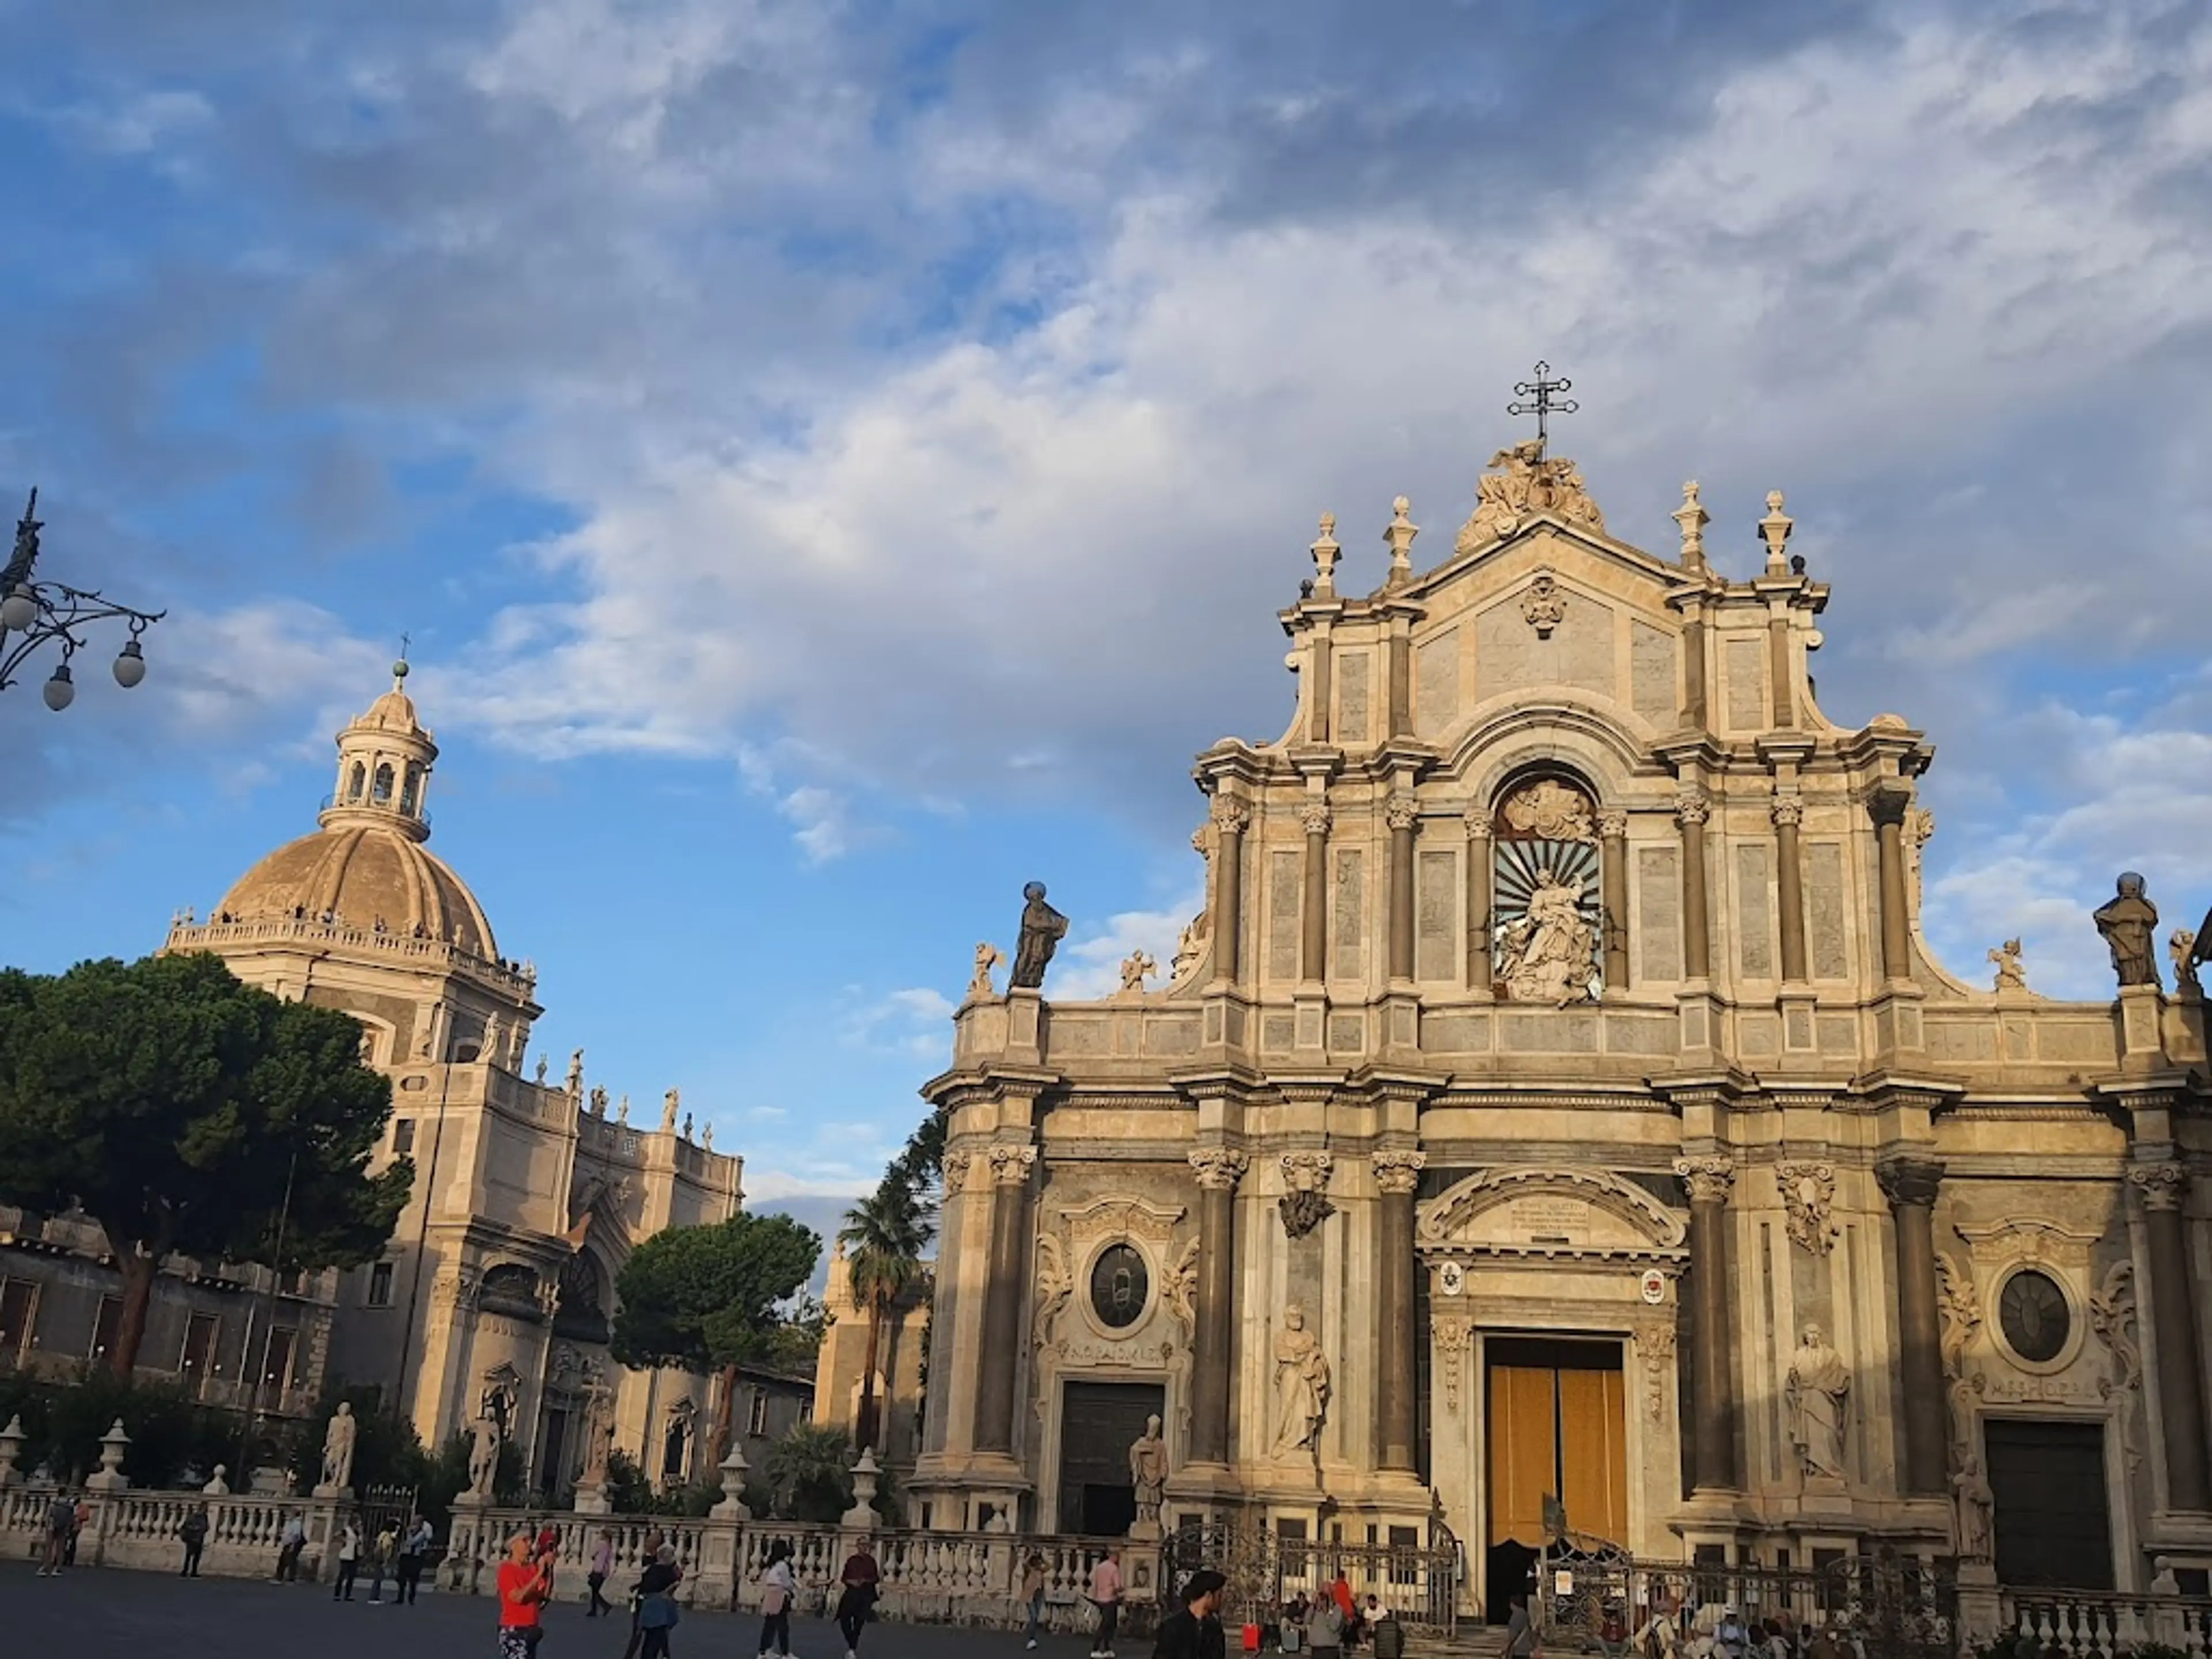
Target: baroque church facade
[
  {"x": 493, "y": 1299},
  {"x": 1557, "y": 1124}
]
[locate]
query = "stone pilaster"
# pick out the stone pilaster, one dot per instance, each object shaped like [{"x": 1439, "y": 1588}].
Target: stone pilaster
[
  {"x": 1612, "y": 888},
  {"x": 1478, "y": 898},
  {"x": 1231, "y": 816},
  {"x": 1887, "y": 807},
  {"x": 1707, "y": 1180},
  {"x": 1402, "y": 814},
  {"x": 1911, "y": 1186},
  {"x": 1219, "y": 1170},
  {"x": 1691, "y": 811},
  {"x": 1789, "y": 812},
  {"x": 1397, "y": 1174},
  {"x": 997, "y": 1387},
  {"x": 2161, "y": 1187},
  {"x": 1313, "y": 949}
]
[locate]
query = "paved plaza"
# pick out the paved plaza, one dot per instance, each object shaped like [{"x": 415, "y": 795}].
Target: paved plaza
[{"x": 112, "y": 1614}]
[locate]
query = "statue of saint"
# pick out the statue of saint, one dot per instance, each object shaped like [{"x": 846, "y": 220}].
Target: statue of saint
[
  {"x": 1819, "y": 1393},
  {"x": 1548, "y": 949},
  {"x": 1148, "y": 1470},
  {"x": 598, "y": 1437},
  {"x": 2011, "y": 976},
  {"x": 1042, "y": 929},
  {"x": 2129, "y": 924},
  {"x": 337, "y": 1447},
  {"x": 1302, "y": 1382},
  {"x": 1977, "y": 1511},
  {"x": 576, "y": 1075},
  {"x": 671, "y": 1103},
  {"x": 484, "y": 1457},
  {"x": 598, "y": 1100},
  {"x": 2182, "y": 947},
  {"x": 979, "y": 988},
  {"x": 1136, "y": 967}
]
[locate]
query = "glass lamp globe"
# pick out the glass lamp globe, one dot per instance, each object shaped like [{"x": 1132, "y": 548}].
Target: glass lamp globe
[
  {"x": 61, "y": 690},
  {"x": 130, "y": 665},
  {"x": 19, "y": 610}
]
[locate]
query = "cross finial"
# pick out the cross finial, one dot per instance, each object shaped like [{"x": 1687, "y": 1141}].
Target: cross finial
[{"x": 1535, "y": 398}]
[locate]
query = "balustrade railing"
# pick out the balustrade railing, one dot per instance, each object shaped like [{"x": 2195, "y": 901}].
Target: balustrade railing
[{"x": 2104, "y": 1623}]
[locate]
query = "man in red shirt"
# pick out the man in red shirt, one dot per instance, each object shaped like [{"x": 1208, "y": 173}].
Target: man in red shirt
[{"x": 522, "y": 1580}]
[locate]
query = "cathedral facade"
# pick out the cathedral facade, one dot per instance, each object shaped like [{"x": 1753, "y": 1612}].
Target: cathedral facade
[
  {"x": 1556, "y": 1127},
  {"x": 493, "y": 1299}
]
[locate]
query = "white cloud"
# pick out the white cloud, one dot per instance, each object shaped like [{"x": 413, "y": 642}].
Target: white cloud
[
  {"x": 912, "y": 1022},
  {"x": 1091, "y": 967}
]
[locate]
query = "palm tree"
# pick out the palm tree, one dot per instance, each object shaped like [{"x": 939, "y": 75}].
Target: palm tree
[{"x": 884, "y": 1235}]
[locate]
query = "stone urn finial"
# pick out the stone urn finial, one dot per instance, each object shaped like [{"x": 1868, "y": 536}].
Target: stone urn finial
[
  {"x": 732, "y": 1506},
  {"x": 112, "y": 1445},
  {"x": 11, "y": 1447},
  {"x": 862, "y": 1516},
  {"x": 217, "y": 1487}
]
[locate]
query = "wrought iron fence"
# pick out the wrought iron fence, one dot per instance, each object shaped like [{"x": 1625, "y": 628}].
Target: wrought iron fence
[{"x": 1418, "y": 1583}]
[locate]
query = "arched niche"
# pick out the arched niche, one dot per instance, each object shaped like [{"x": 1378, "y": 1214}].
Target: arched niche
[{"x": 1546, "y": 887}]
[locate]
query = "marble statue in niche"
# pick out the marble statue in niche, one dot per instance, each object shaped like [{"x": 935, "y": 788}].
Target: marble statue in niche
[
  {"x": 1545, "y": 902},
  {"x": 1301, "y": 1383},
  {"x": 1148, "y": 1472},
  {"x": 1818, "y": 1390}
]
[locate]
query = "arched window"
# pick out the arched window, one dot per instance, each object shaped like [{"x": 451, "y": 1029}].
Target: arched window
[
  {"x": 412, "y": 796},
  {"x": 357, "y": 783},
  {"x": 1546, "y": 909},
  {"x": 382, "y": 795}
]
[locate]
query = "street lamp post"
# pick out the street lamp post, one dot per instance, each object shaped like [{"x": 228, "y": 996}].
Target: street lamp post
[{"x": 36, "y": 611}]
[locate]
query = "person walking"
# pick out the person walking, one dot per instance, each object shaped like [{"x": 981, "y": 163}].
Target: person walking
[
  {"x": 61, "y": 1522},
  {"x": 1106, "y": 1596},
  {"x": 349, "y": 1561},
  {"x": 1033, "y": 1596},
  {"x": 779, "y": 1590},
  {"x": 862, "y": 1580},
  {"x": 656, "y": 1601},
  {"x": 1325, "y": 1628},
  {"x": 192, "y": 1531},
  {"x": 521, "y": 1593},
  {"x": 414, "y": 1553},
  {"x": 289, "y": 1546},
  {"x": 1194, "y": 1631},
  {"x": 602, "y": 1563}
]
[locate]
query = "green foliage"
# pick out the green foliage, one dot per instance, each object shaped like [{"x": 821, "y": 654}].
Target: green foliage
[
  {"x": 172, "y": 1435},
  {"x": 176, "y": 1107},
  {"x": 631, "y": 1492},
  {"x": 884, "y": 1235},
  {"x": 809, "y": 1475},
  {"x": 796, "y": 1342},
  {"x": 920, "y": 1166},
  {"x": 708, "y": 1297}
]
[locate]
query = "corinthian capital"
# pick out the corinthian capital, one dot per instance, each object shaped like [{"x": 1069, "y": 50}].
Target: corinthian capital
[
  {"x": 1478, "y": 821},
  {"x": 1397, "y": 1170},
  {"x": 1230, "y": 814},
  {"x": 2159, "y": 1186},
  {"x": 1691, "y": 806},
  {"x": 1315, "y": 818},
  {"x": 1909, "y": 1180},
  {"x": 956, "y": 1167},
  {"x": 1612, "y": 825},
  {"x": 1011, "y": 1165},
  {"x": 1218, "y": 1168},
  {"x": 1707, "y": 1179},
  {"x": 1401, "y": 812},
  {"x": 1787, "y": 810}
]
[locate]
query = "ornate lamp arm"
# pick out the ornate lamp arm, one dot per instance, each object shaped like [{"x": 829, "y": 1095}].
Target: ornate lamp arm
[{"x": 35, "y": 613}]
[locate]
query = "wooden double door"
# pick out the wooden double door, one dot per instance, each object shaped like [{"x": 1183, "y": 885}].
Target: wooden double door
[{"x": 1557, "y": 1415}]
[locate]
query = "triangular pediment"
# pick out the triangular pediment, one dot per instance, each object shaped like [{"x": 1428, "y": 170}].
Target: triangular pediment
[{"x": 1559, "y": 540}]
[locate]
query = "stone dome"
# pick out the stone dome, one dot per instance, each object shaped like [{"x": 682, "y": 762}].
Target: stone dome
[{"x": 363, "y": 874}]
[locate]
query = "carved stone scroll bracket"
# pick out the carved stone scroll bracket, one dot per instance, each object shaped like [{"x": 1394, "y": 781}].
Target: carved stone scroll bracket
[
  {"x": 1654, "y": 1342},
  {"x": 1452, "y": 1333},
  {"x": 1808, "y": 1192},
  {"x": 1304, "y": 1205},
  {"x": 956, "y": 1167},
  {"x": 1543, "y": 607},
  {"x": 2113, "y": 1320}
]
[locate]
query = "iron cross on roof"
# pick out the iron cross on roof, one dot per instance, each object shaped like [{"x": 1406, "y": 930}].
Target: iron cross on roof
[{"x": 1535, "y": 398}]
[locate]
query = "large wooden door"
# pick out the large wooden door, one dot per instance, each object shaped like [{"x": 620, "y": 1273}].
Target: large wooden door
[
  {"x": 1558, "y": 1423},
  {"x": 2053, "y": 1526}
]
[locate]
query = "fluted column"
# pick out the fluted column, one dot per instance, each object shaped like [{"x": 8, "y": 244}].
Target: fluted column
[
  {"x": 1789, "y": 883},
  {"x": 2161, "y": 1187},
  {"x": 1691, "y": 811},
  {"x": 1712, "y": 1371},
  {"x": 1613, "y": 891},
  {"x": 1231, "y": 815},
  {"x": 1313, "y": 949},
  {"x": 1911, "y": 1186},
  {"x": 1218, "y": 1170},
  {"x": 1887, "y": 807},
  {"x": 1478, "y": 897},
  {"x": 995, "y": 1388},
  {"x": 1401, "y": 813},
  {"x": 1397, "y": 1173}
]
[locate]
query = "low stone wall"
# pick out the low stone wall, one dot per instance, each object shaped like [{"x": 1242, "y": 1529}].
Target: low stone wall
[{"x": 138, "y": 1529}]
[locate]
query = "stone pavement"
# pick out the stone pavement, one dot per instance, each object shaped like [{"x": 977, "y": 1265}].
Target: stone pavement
[{"x": 106, "y": 1613}]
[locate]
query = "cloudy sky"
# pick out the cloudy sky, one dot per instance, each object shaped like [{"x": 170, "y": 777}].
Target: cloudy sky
[{"x": 838, "y": 462}]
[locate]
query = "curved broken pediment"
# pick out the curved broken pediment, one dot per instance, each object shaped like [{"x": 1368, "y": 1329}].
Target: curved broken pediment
[{"x": 1534, "y": 1209}]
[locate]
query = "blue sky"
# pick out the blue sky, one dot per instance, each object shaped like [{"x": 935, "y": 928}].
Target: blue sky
[{"x": 838, "y": 462}]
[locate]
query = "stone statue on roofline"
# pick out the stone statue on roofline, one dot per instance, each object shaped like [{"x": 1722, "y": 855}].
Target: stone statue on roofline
[
  {"x": 2129, "y": 922},
  {"x": 1042, "y": 929}
]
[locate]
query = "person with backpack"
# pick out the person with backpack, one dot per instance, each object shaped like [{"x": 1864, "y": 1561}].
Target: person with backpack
[
  {"x": 61, "y": 1521},
  {"x": 192, "y": 1532},
  {"x": 657, "y": 1612}
]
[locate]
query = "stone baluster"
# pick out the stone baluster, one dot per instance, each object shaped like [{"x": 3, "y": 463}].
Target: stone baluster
[
  {"x": 1231, "y": 816},
  {"x": 1397, "y": 1174},
  {"x": 1887, "y": 807},
  {"x": 1478, "y": 897},
  {"x": 1789, "y": 812},
  {"x": 1002, "y": 1304},
  {"x": 2161, "y": 1186},
  {"x": 1613, "y": 889},
  {"x": 1402, "y": 813},
  {"x": 1691, "y": 811},
  {"x": 1219, "y": 1170},
  {"x": 1707, "y": 1180},
  {"x": 1313, "y": 948},
  {"x": 1911, "y": 1186}
]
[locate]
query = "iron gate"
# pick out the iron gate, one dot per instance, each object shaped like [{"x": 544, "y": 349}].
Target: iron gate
[
  {"x": 1417, "y": 1582},
  {"x": 1897, "y": 1606}
]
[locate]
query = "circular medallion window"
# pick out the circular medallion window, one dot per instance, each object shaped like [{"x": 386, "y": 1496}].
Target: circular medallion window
[
  {"x": 2032, "y": 1312},
  {"x": 1120, "y": 1284}
]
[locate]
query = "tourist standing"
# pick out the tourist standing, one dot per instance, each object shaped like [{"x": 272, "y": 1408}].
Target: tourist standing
[
  {"x": 293, "y": 1541},
  {"x": 1033, "y": 1595},
  {"x": 1194, "y": 1631},
  {"x": 602, "y": 1563},
  {"x": 657, "y": 1610},
  {"x": 1325, "y": 1628},
  {"x": 61, "y": 1522},
  {"x": 856, "y": 1602},
  {"x": 381, "y": 1556},
  {"x": 349, "y": 1561},
  {"x": 414, "y": 1552},
  {"x": 192, "y": 1532},
  {"x": 1106, "y": 1596},
  {"x": 521, "y": 1592},
  {"x": 80, "y": 1519},
  {"x": 779, "y": 1590}
]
